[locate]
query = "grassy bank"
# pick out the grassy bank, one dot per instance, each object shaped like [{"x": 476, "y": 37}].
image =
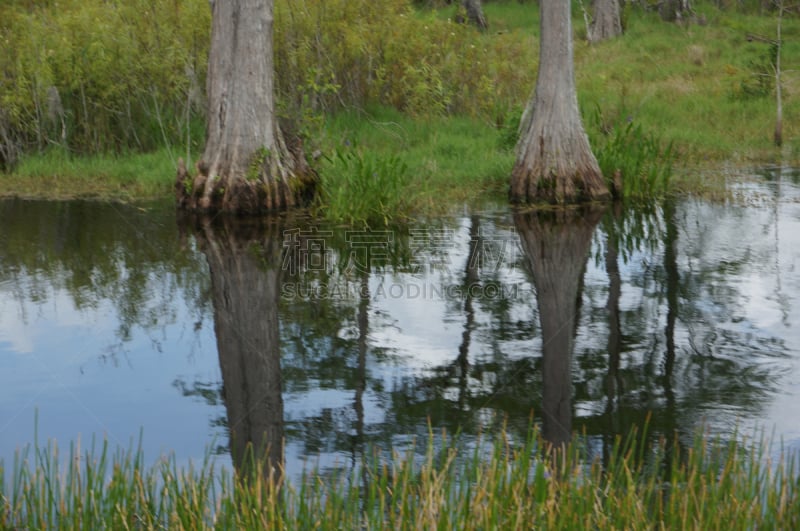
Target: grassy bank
[
  {"x": 709, "y": 486},
  {"x": 446, "y": 159},
  {"x": 56, "y": 174},
  {"x": 702, "y": 87}
]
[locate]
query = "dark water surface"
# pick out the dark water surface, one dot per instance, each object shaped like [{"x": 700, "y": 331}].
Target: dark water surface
[{"x": 116, "y": 319}]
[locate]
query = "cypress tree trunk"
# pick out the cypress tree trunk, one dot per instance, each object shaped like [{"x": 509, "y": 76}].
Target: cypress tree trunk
[
  {"x": 554, "y": 161},
  {"x": 475, "y": 14},
  {"x": 246, "y": 166},
  {"x": 606, "y": 23}
]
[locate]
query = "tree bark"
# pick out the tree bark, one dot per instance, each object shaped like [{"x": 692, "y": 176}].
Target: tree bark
[
  {"x": 245, "y": 265},
  {"x": 674, "y": 10},
  {"x": 556, "y": 245},
  {"x": 9, "y": 146},
  {"x": 606, "y": 23},
  {"x": 246, "y": 166},
  {"x": 475, "y": 14},
  {"x": 554, "y": 160},
  {"x": 778, "y": 136}
]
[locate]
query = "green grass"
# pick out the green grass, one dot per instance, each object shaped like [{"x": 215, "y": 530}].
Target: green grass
[
  {"x": 709, "y": 485},
  {"x": 364, "y": 188},
  {"x": 512, "y": 16},
  {"x": 58, "y": 175},
  {"x": 446, "y": 159},
  {"x": 636, "y": 165},
  {"x": 503, "y": 16},
  {"x": 685, "y": 83}
]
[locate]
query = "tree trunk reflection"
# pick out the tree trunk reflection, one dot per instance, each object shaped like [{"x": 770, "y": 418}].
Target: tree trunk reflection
[
  {"x": 673, "y": 281},
  {"x": 556, "y": 244},
  {"x": 245, "y": 264},
  {"x": 470, "y": 282},
  {"x": 614, "y": 343}
]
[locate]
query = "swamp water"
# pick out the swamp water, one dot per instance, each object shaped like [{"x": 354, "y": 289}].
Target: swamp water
[{"x": 205, "y": 334}]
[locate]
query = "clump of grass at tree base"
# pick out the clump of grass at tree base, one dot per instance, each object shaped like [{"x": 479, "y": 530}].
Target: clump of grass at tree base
[
  {"x": 494, "y": 485},
  {"x": 364, "y": 188},
  {"x": 640, "y": 162}
]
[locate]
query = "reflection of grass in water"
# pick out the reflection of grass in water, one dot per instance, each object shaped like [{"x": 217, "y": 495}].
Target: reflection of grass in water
[{"x": 710, "y": 485}]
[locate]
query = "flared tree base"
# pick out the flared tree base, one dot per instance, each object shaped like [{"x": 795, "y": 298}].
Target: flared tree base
[
  {"x": 269, "y": 181},
  {"x": 576, "y": 186}
]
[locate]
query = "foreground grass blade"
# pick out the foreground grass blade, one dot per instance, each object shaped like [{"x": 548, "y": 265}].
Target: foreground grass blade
[{"x": 710, "y": 484}]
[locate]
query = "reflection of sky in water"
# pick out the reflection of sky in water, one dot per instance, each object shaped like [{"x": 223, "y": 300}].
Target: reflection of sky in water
[
  {"x": 67, "y": 367},
  {"x": 771, "y": 304},
  {"x": 738, "y": 308},
  {"x": 424, "y": 334}
]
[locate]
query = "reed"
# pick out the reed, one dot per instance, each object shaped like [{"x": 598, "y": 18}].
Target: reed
[
  {"x": 498, "y": 485},
  {"x": 364, "y": 188},
  {"x": 637, "y": 165}
]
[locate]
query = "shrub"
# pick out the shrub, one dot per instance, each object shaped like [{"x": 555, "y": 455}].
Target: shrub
[
  {"x": 331, "y": 53},
  {"x": 93, "y": 75},
  {"x": 98, "y": 75}
]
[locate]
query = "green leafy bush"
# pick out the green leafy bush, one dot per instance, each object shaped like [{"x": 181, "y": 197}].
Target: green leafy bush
[
  {"x": 93, "y": 75},
  {"x": 331, "y": 53},
  {"x": 99, "y": 75}
]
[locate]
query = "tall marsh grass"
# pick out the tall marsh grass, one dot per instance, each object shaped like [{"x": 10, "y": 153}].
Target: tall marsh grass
[
  {"x": 636, "y": 164},
  {"x": 366, "y": 188},
  {"x": 709, "y": 485}
]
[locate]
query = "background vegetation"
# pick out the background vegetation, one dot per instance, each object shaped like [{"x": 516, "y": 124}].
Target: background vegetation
[{"x": 98, "y": 78}]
